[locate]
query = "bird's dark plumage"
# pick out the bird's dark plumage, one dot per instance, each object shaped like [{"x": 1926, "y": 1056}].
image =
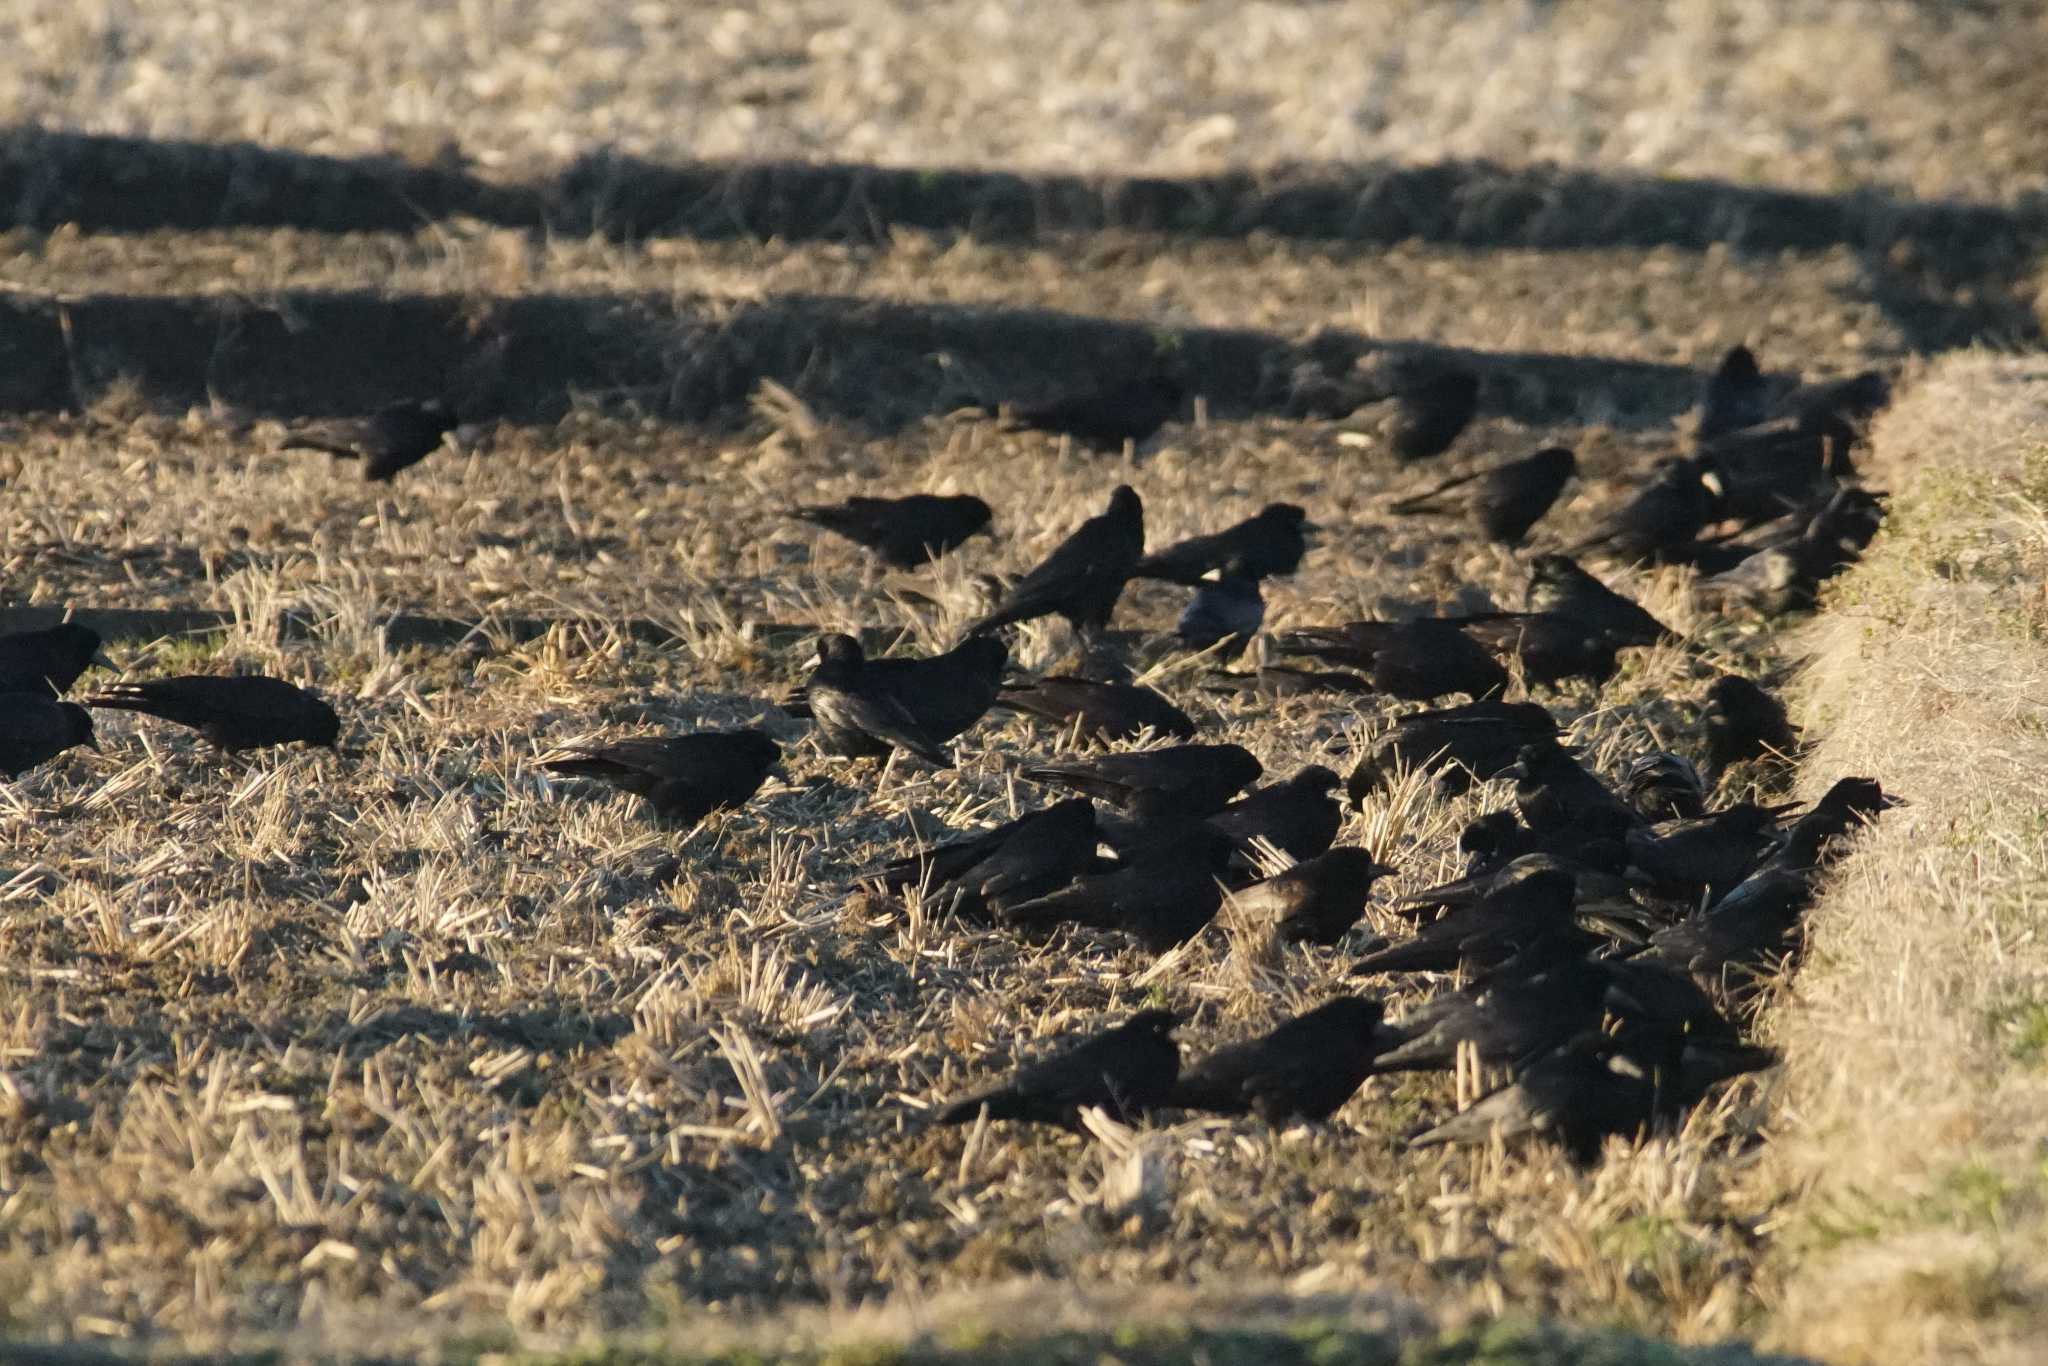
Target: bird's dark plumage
[
  {"x": 1706, "y": 854},
  {"x": 866, "y": 707},
  {"x": 1417, "y": 660},
  {"x": 1559, "y": 587},
  {"x": 1429, "y": 416},
  {"x": 1037, "y": 853},
  {"x": 683, "y": 777},
  {"x": 1745, "y": 722},
  {"x": 49, "y": 661},
  {"x": 1554, "y": 793},
  {"x": 1227, "y": 610},
  {"x": 1505, "y": 1021},
  {"x": 1660, "y": 522},
  {"x": 1518, "y": 912},
  {"x": 1299, "y": 816},
  {"x": 1483, "y": 738},
  {"x": 1199, "y": 779},
  {"x": 1164, "y": 894},
  {"x": 1128, "y": 1070},
  {"x": 1578, "y": 1094},
  {"x": 1108, "y": 415},
  {"x": 1503, "y": 501},
  {"x": 1664, "y": 786},
  {"x": 1549, "y": 648},
  {"x": 1316, "y": 901},
  {"x": 904, "y": 532},
  {"x": 35, "y": 729},
  {"x": 1085, "y": 574},
  {"x": 1099, "y": 711},
  {"x": 1304, "y": 1069},
  {"x": 1268, "y": 545},
  {"x": 1736, "y": 396},
  {"x": 233, "y": 713},
  {"x": 391, "y": 439}
]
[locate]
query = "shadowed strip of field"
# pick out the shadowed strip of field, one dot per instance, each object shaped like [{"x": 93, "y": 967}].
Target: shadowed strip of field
[
  {"x": 122, "y": 184},
  {"x": 695, "y": 361}
]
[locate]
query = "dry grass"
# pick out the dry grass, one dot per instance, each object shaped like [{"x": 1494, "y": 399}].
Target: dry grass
[
  {"x": 418, "y": 1048},
  {"x": 1915, "y": 1040},
  {"x": 1742, "y": 90}
]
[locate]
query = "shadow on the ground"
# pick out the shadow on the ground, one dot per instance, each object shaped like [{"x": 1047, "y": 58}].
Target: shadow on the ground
[
  {"x": 124, "y": 184},
  {"x": 530, "y": 358}
]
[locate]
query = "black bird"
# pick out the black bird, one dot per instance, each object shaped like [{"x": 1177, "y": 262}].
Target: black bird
[
  {"x": 1098, "y": 711},
  {"x": 1559, "y": 587},
  {"x": 1555, "y": 793},
  {"x": 1745, "y": 722},
  {"x": 1815, "y": 837},
  {"x": 1226, "y": 609},
  {"x": 1773, "y": 582},
  {"x": 1661, "y": 522},
  {"x": 1304, "y": 1069},
  {"x": 1429, "y": 416},
  {"x": 1165, "y": 893},
  {"x": 1663, "y": 786},
  {"x": 1591, "y": 880},
  {"x": 683, "y": 777},
  {"x": 1268, "y": 545},
  {"x": 1298, "y": 816},
  {"x": 1037, "y": 853},
  {"x": 1417, "y": 660},
  {"x": 35, "y": 729},
  {"x": 1505, "y": 1019},
  {"x": 866, "y": 707},
  {"x": 1752, "y": 928},
  {"x": 1483, "y": 739},
  {"x": 1198, "y": 779},
  {"x": 233, "y": 713},
  {"x": 391, "y": 439},
  {"x": 1736, "y": 396},
  {"x": 1085, "y": 574},
  {"x": 1839, "y": 404},
  {"x": 1128, "y": 1071},
  {"x": 1550, "y": 649},
  {"x": 1108, "y": 415},
  {"x": 1765, "y": 472},
  {"x": 905, "y": 532},
  {"x": 1518, "y": 912},
  {"x": 1578, "y": 1095},
  {"x": 1707, "y": 854},
  {"x": 49, "y": 661},
  {"x": 1314, "y": 902},
  {"x": 1504, "y": 501}
]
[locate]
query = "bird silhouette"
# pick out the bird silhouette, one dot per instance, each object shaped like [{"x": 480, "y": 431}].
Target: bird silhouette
[
  {"x": 1303, "y": 1069},
  {"x": 1085, "y": 574},
  {"x": 1128, "y": 1070},
  {"x": 683, "y": 777},
  {"x": 904, "y": 532},
  {"x": 233, "y": 713},
  {"x": 865, "y": 707},
  {"x": 389, "y": 440},
  {"x": 1503, "y": 501},
  {"x": 35, "y": 729}
]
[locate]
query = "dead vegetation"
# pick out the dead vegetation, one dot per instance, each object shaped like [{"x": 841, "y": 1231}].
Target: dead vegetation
[{"x": 416, "y": 1045}]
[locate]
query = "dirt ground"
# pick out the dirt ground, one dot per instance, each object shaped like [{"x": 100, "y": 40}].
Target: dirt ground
[{"x": 412, "y": 1042}]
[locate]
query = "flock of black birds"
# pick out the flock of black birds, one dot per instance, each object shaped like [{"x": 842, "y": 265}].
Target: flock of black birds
[{"x": 1603, "y": 945}]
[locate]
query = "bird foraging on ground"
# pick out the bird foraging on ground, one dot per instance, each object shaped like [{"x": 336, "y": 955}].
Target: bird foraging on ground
[
  {"x": 1417, "y": 660},
  {"x": 1745, "y": 722},
  {"x": 1107, "y": 415},
  {"x": 865, "y": 707},
  {"x": 1579, "y": 1094},
  {"x": 49, "y": 661},
  {"x": 1559, "y": 587},
  {"x": 391, "y": 439},
  {"x": 1659, "y": 523},
  {"x": 1267, "y": 545},
  {"x": 36, "y": 729},
  {"x": 904, "y": 532},
  {"x": 1429, "y": 415},
  {"x": 1085, "y": 574},
  {"x": 1304, "y": 1069},
  {"x": 238, "y": 713},
  {"x": 1197, "y": 779},
  {"x": 1503, "y": 501},
  {"x": 1098, "y": 711},
  {"x": 1226, "y": 610},
  {"x": 1128, "y": 1070},
  {"x": 683, "y": 777},
  {"x": 1164, "y": 893},
  {"x": 1314, "y": 902}
]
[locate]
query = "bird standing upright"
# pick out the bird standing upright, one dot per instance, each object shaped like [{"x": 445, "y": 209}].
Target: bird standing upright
[{"x": 1085, "y": 574}]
